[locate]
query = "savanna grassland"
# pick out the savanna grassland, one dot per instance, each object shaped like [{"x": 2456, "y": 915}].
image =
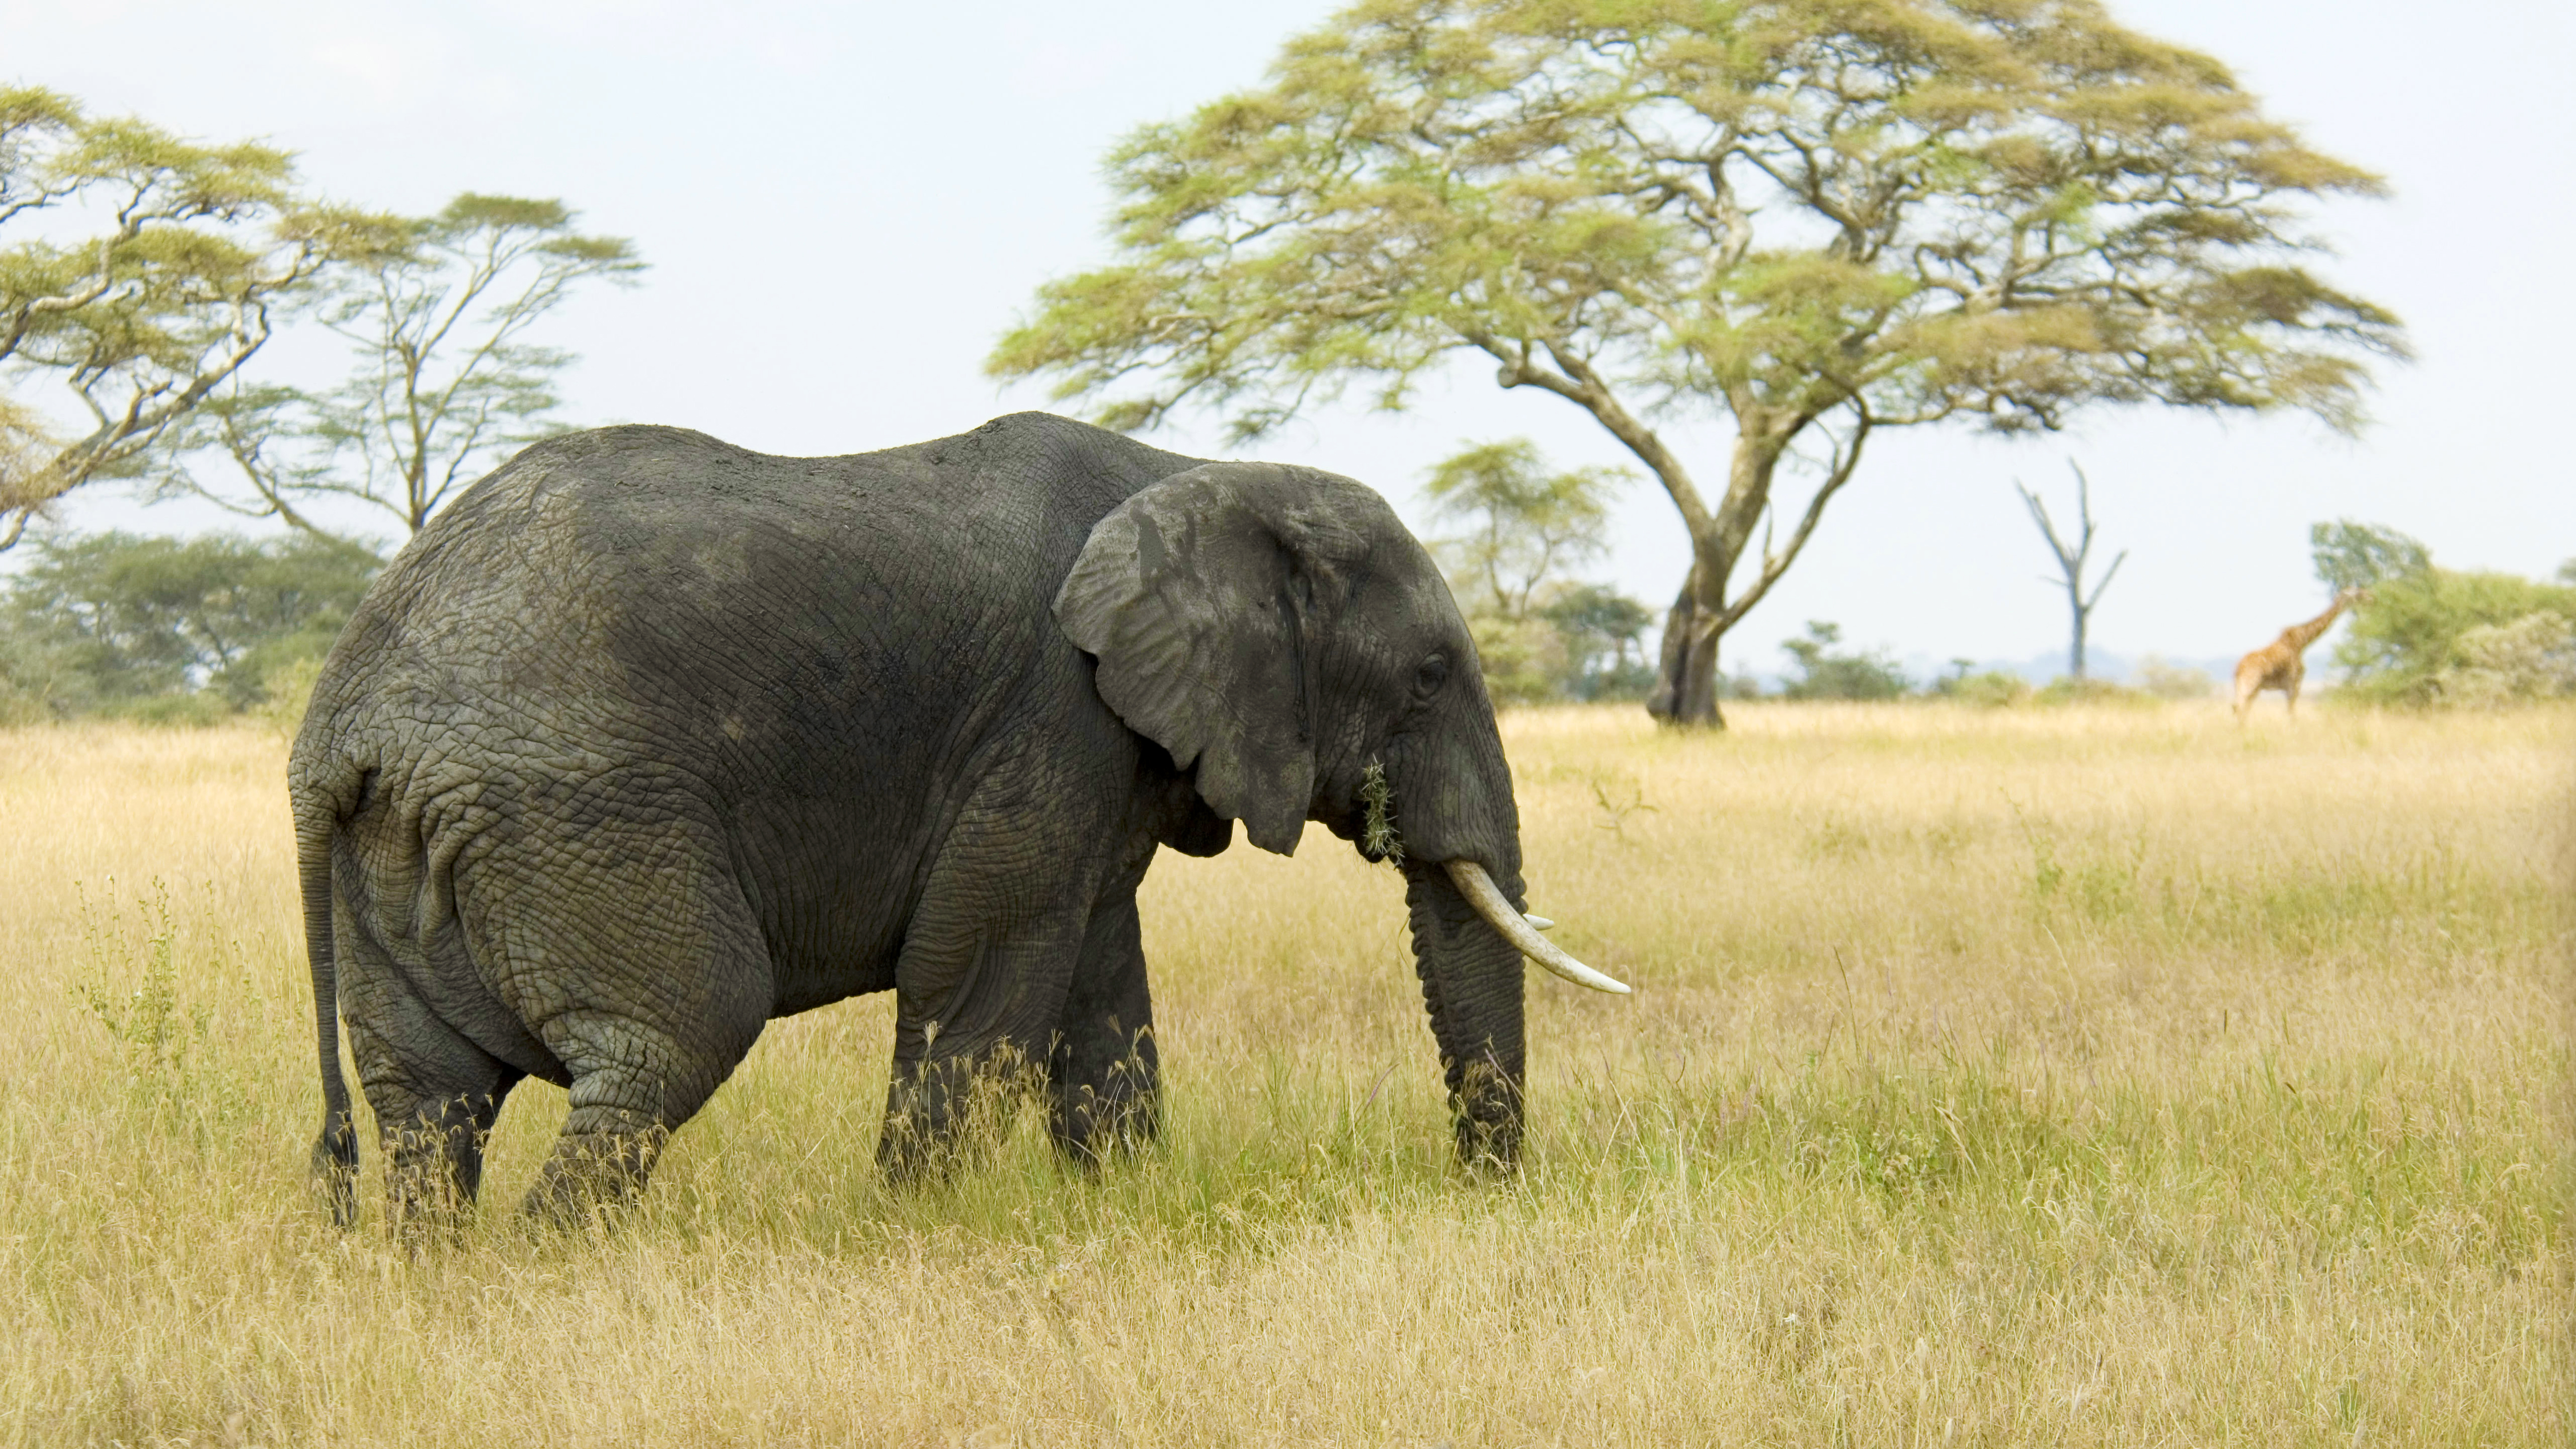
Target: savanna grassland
[{"x": 2026, "y": 1077}]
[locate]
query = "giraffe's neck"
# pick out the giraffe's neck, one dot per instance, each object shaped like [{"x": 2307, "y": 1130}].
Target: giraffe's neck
[{"x": 2300, "y": 636}]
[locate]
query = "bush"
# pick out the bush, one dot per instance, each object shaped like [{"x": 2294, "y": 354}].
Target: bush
[
  {"x": 2415, "y": 639},
  {"x": 2534, "y": 657},
  {"x": 1827, "y": 675},
  {"x": 188, "y": 711},
  {"x": 1993, "y": 689},
  {"x": 284, "y": 693},
  {"x": 2067, "y": 690},
  {"x": 1524, "y": 659},
  {"x": 2166, "y": 680}
]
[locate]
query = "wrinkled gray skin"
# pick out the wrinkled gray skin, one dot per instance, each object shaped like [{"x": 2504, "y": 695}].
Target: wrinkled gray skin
[{"x": 649, "y": 739}]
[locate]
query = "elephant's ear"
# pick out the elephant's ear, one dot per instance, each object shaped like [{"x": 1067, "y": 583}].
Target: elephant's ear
[{"x": 1203, "y": 597}]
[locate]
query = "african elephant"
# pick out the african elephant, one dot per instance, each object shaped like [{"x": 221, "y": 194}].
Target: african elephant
[{"x": 649, "y": 739}]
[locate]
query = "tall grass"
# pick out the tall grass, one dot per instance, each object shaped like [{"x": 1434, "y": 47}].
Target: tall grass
[{"x": 1993, "y": 1078}]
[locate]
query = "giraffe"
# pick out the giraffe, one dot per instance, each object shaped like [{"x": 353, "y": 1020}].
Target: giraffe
[{"x": 2279, "y": 665}]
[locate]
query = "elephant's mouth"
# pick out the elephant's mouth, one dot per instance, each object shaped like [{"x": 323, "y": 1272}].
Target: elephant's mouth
[{"x": 1521, "y": 931}]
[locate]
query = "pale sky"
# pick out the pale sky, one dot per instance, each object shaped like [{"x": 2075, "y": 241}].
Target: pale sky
[{"x": 845, "y": 204}]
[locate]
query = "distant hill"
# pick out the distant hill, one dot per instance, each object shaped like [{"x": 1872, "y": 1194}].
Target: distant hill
[
  {"x": 2100, "y": 663},
  {"x": 1922, "y": 669}
]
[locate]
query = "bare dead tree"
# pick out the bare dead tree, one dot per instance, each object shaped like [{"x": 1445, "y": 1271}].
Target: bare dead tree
[{"x": 2071, "y": 561}]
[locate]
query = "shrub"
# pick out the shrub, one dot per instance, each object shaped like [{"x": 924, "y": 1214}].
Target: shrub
[
  {"x": 1522, "y": 658},
  {"x": 1827, "y": 675},
  {"x": 1992, "y": 689},
  {"x": 2066, "y": 690},
  {"x": 2534, "y": 657},
  {"x": 2413, "y": 634},
  {"x": 2166, "y": 680}
]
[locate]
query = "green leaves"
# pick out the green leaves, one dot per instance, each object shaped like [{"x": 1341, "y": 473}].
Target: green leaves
[
  {"x": 1423, "y": 177},
  {"x": 1524, "y": 524},
  {"x": 112, "y": 620},
  {"x": 445, "y": 383},
  {"x": 144, "y": 319},
  {"x": 1810, "y": 215},
  {"x": 1523, "y": 528},
  {"x": 2431, "y": 636}
]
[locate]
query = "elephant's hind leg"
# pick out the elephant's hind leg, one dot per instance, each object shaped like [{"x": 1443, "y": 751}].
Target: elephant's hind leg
[
  {"x": 435, "y": 1093},
  {"x": 434, "y": 1108},
  {"x": 649, "y": 985}
]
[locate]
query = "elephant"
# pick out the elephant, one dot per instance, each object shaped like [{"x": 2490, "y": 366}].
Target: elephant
[{"x": 649, "y": 739}]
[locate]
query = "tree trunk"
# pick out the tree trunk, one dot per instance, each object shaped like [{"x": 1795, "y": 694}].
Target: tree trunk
[
  {"x": 1686, "y": 691},
  {"x": 1687, "y": 687}
]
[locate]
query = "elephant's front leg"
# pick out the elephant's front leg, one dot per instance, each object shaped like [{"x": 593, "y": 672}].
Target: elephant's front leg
[
  {"x": 973, "y": 1018},
  {"x": 1103, "y": 1075}
]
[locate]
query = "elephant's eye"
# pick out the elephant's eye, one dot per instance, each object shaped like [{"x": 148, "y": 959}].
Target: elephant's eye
[{"x": 1433, "y": 673}]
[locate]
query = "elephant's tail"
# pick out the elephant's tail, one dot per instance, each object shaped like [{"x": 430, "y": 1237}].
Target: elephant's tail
[{"x": 335, "y": 1155}]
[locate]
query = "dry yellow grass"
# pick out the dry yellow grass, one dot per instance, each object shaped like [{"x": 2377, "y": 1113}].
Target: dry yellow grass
[{"x": 2018, "y": 1078}]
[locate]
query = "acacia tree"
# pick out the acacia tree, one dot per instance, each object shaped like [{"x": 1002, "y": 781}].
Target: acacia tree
[
  {"x": 1821, "y": 218},
  {"x": 196, "y": 249},
  {"x": 1525, "y": 525},
  {"x": 446, "y": 382},
  {"x": 2072, "y": 557}
]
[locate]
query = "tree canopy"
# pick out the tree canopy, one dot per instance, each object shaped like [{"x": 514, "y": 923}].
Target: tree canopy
[
  {"x": 114, "y": 620},
  {"x": 194, "y": 249},
  {"x": 2434, "y": 636},
  {"x": 1523, "y": 527},
  {"x": 1818, "y": 218},
  {"x": 446, "y": 382},
  {"x": 2351, "y": 555}
]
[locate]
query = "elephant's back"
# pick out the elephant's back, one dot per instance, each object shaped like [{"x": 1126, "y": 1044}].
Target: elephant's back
[{"x": 659, "y": 585}]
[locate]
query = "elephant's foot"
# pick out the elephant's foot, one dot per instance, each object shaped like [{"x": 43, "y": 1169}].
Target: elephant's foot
[
  {"x": 335, "y": 1169},
  {"x": 1102, "y": 1103},
  {"x": 433, "y": 1163},
  {"x": 1090, "y": 1129},
  {"x": 941, "y": 1114},
  {"x": 594, "y": 1174}
]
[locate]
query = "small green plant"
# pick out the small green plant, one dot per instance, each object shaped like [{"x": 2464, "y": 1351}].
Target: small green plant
[
  {"x": 2046, "y": 873},
  {"x": 155, "y": 1033}
]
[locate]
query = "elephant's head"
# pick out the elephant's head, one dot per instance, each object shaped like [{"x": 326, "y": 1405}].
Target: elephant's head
[{"x": 1279, "y": 631}]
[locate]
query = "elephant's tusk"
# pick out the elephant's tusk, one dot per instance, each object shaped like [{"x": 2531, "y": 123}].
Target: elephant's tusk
[
  {"x": 1542, "y": 922},
  {"x": 1487, "y": 898}
]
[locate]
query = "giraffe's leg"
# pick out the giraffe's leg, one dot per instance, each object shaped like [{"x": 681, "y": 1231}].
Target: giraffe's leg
[{"x": 2290, "y": 687}]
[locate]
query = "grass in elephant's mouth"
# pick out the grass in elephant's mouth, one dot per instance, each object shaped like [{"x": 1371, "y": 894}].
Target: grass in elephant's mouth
[{"x": 1993, "y": 1079}]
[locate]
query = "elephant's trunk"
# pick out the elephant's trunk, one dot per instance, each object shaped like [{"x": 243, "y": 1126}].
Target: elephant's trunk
[{"x": 1471, "y": 980}]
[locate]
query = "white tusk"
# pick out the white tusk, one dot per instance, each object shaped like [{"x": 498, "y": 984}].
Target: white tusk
[
  {"x": 1487, "y": 898},
  {"x": 1542, "y": 922}
]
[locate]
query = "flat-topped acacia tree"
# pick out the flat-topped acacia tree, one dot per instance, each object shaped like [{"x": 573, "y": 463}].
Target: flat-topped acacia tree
[{"x": 1823, "y": 219}]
